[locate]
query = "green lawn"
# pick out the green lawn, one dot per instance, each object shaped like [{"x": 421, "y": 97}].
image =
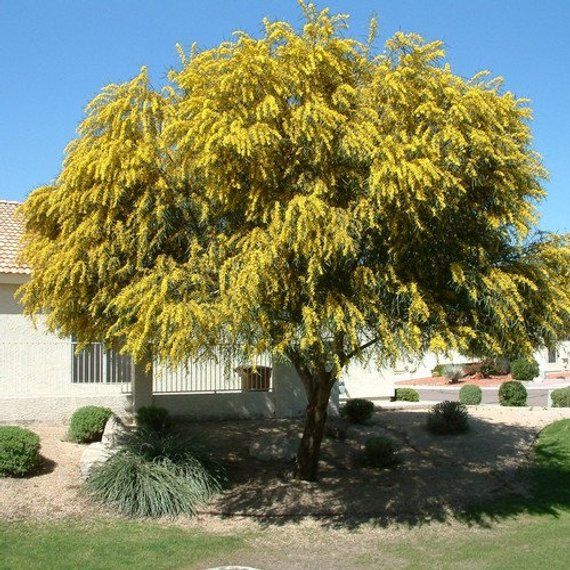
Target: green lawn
[
  {"x": 516, "y": 533},
  {"x": 108, "y": 544}
]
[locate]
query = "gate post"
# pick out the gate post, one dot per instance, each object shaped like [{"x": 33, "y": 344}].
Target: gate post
[{"x": 142, "y": 384}]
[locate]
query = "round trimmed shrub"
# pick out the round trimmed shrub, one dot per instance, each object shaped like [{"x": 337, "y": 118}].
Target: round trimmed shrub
[
  {"x": 19, "y": 451},
  {"x": 561, "y": 398},
  {"x": 87, "y": 423},
  {"x": 512, "y": 393},
  {"x": 448, "y": 418},
  {"x": 406, "y": 395},
  {"x": 153, "y": 418},
  {"x": 358, "y": 410},
  {"x": 470, "y": 394},
  {"x": 524, "y": 369},
  {"x": 380, "y": 451}
]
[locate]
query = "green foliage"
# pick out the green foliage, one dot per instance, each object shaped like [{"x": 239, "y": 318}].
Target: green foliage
[
  {"x": 87, "y": 423},
  {"x": 453, "y": 373},
  {"x": 524, "y": 369},
  {"x": 437, "y": 370},
  {"x": 406, "y": 395},
  {"x": 19, "y": 451},
  {"x": 512, "y": 393},
  {"x": 470, "y": 394},
  {"x": 448, "y": 418},
  {"x": 155, "y": 474},
  {"x": 561, "y": 398},
  {"x": 154, "y": 418},
  {"x": 380, "y": 451},
  {"x": 358, "y": 410}
]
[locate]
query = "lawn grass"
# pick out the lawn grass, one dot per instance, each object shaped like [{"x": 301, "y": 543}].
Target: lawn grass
[{"x": 108, "y": 544}]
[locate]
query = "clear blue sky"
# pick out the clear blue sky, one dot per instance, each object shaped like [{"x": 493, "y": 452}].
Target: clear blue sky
[{"x": 55, "y": 55}]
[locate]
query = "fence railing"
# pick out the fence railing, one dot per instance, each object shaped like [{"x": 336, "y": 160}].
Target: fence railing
[
  {"x": 94, "y": 364},
  {"x": 224, "y": 371}
]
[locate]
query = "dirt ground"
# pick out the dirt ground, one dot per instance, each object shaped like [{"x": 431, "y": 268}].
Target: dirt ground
[{"x": 437, "y": 477}]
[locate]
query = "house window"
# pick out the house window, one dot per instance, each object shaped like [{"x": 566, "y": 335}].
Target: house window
[
  {"x": 95, "y": 365},
  {"x": 552, "y": 355}
]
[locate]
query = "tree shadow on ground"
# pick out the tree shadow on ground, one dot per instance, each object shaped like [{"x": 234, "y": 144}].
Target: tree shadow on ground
[{"x": 468, "y": 476}]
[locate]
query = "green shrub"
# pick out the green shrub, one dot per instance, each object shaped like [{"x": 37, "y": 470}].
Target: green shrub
[
  {"x": 448, "y": 418},
  {"x": 381, "y": 452},
  {"x": 153, "y": 418},
  {"x": 155, "y": 474},
  {"x": 87, "y": 423},
  {"x": 512, "y": 393},
  {"x": 437, "y": 370},
  {"x": 358, "y": 410},
  {"x": 470, "y": 394},
  {"x": 406, "y": 395},
  {"x": 524, "y": 369},
  {"x": 453, "y": 373},
  {"x": 19, "y": 450},
  {"x": 561, "y": 398}
]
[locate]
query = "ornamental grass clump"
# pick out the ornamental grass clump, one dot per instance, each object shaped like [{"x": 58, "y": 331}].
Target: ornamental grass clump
[
  {"x": 156, "y": 474},
  {"x": 154, "y": 418},
  {"x": 448, "y": 418},
  {"x": 19, "y": 451}
]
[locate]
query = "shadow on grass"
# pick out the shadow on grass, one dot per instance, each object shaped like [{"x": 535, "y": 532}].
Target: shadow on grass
[{"x": 466, "y": 477}]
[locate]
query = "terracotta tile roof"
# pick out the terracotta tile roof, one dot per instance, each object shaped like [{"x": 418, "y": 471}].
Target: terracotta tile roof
[{"x": 10, "y": 234}]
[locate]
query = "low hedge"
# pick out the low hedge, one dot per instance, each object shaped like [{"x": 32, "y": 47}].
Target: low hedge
[
  {"x": 512, "y": 393},
  {"x": 87, "y": 423},
  {"x": 19, "y": 451},
  {"x": 561, "y": 398},
  {"x": 358, "y": 410},
  {"x": 406, "y": 395},
  {"x": 470, "y": 394}
]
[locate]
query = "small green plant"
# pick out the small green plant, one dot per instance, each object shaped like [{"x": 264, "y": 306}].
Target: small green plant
[
  {"x": 453, "y": 373},
  {"x": 524, "y": 369},
  {"x": 155, "y": 474},
  {"x": 437, "y": 370},
  {"x": 406, "y": 395},
  {"x": 19, "y": 451},
  {"x": 87, "y": 423},
  {"x": 561, "y": 398},
  {"x": 470, "y": 394},
  {"x": 380, "y": 451},
  {"x": 447, "y": 418},
  {"x": 153, "y": 418},
  {"x": 512, "y": 393},
  {"x": 358, "y": 410}
]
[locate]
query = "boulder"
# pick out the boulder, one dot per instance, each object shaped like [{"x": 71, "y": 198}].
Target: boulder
[
  {"x": 270, "y": 447},
  {"x": 95, "y": 454},
  {"x": 115, "y": 430}
]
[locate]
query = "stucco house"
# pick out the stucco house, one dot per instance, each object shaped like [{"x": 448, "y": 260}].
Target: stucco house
[{"x": 42, "y": 378}]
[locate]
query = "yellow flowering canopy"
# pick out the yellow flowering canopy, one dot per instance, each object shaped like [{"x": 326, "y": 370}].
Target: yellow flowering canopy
[{"x": 301, "y": 194}]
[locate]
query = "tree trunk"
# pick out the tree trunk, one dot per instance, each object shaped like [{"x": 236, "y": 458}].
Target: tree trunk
[{"x": 318, "y": 393}]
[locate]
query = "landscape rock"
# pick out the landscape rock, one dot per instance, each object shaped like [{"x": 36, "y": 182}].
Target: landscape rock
[
  {"x": 115, "y": 430},
  {"x": 270, "y": 447},
  {"x": 94, "y": 455}
]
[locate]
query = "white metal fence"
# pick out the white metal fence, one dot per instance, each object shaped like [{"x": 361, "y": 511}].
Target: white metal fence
[
  {"x": 224, "y": 371},
  {"x": 94, "y": 364}
]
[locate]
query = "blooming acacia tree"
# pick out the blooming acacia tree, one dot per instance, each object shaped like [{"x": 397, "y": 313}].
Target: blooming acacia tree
[{"x": 299, "y": 194}]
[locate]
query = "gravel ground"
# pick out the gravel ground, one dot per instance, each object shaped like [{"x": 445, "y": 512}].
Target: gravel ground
[{"x": 438, "y": 475}]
